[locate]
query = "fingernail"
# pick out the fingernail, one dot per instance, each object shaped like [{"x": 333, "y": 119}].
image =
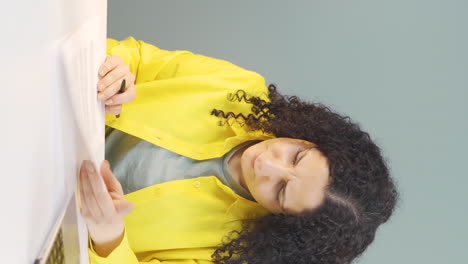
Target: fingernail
[
  {"x": 89, "y": 166},
  {"x": 109, "y": 101},
  {"x": 101, "y": 87},
  {"x": 100, "y": 97}
]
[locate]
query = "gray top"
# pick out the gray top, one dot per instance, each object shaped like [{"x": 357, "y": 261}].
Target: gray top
[{"x": 137, "y": 164}]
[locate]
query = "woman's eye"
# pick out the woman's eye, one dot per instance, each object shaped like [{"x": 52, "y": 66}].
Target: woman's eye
[
  {"x": 296, "y": 157},
  {"x": 279, "y": 192}
]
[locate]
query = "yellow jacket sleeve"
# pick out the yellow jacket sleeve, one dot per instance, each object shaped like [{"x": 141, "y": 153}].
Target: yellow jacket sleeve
[
  {"x": 177, "y": 90},
  {"x": 123, "y": 254},
  {"x": 149, "y": 63}
]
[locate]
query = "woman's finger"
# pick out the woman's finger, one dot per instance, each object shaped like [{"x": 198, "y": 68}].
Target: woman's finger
[
  {"x": 113, "y": 109},
  {"x": 122, "y": 98},
  {"x": 109, "y": 64},
  {"x": 123, "y": 207},
  {"x": 118, "y": 73},
  {"x": 112, "y": 184},
  {"x": 129, "y": 92},
  {"x": 110, "y": 90},
  {"x": 92, "y": 212},
  {"x": 84, "y": 205},
  {"x": 100, "y": 193}
]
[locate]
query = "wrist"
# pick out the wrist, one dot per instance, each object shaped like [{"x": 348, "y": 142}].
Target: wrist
[{"x": 105, "y": 240}]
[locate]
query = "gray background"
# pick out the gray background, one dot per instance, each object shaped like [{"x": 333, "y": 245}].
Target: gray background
[{"x": 399, "y": 68}]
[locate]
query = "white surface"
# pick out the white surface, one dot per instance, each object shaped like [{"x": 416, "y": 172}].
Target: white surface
[
  {"x": 82, "y": 53},
  {"x": 41, "y": 147}
]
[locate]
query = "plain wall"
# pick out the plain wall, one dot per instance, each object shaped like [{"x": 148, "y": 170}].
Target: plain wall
[
  {"x": 399, "y": 68},
  {"x": 38, "y": 135}
]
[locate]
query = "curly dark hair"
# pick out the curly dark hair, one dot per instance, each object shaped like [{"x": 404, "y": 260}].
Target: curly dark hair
[{"x": 360, "y": 196}]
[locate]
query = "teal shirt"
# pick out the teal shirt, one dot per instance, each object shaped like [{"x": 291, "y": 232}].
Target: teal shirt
[{"x": 137, "y": 164}]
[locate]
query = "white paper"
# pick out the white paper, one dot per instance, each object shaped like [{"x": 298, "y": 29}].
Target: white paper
[{"x": 83, "y": 52}]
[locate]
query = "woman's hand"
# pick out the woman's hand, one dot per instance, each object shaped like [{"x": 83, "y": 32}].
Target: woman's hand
[
  {"x": 103, "y": 207},
  {"x": 111, "y": 74}
]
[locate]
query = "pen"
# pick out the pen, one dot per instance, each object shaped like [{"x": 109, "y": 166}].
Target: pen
[{"x": 122, "y": 89}]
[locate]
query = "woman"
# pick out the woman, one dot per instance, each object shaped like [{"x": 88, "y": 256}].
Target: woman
[{"x": 294, "y": 181}]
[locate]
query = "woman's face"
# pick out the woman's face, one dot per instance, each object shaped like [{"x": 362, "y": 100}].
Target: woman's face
[{"x": 285, "y": 175}]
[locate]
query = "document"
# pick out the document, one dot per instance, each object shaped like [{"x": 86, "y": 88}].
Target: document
[{"x": 83, "y": 52}]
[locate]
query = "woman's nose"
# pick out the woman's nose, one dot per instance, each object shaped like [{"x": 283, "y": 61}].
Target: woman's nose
[{"x": 270, "y": 167}]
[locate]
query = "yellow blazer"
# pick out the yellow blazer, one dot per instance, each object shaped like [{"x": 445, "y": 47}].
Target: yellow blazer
[{"x": 182, "y": 221}]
